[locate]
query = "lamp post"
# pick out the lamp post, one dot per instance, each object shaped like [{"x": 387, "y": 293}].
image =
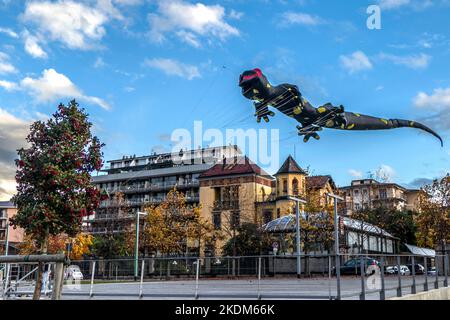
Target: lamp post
[
  {"x": 336, "y": 245},
  {"x": 6, "y": 253},
  {"x": 136, "y": 247},
  {"x": 297, "y": 232}
]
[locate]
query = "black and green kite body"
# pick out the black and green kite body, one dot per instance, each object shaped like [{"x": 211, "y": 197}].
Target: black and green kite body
[{"x": 287, "y": 99}]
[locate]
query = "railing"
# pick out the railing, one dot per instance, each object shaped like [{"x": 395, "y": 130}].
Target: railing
[
  {"x": 152, "y": 187},
  {"x": 259, "y": 277},
  {"x": 26, "y": 275}
]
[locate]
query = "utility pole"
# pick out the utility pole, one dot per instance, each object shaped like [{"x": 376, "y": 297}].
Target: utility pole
[
  {"x": 297, "y": 232},
  {"x": 136, "y": 247},
  {"x": 336, "y": 244}
]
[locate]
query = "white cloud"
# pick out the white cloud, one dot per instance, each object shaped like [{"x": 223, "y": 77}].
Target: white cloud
[
  {"x": 8, "y": 85},
  {"x": 74, "y": 24},
  {"x": 53, "y": 85},
  {"x": 437, "y": 105},
  {"x": 439, "y": 99},
  {"x": 415, "y": 61},
  {"x": 235, "y": 14},
  {"x": 385, "y": 173},
  {"x": 355, "y": 173},
  {"x": 193, "y": 20},
  {"x": 393, "y": 4},
  {"x": 129, "y": 2},
  {"x": 173, "y": 67},
  {"x": 9, "y": 32},
  {"x": 99, "y": 63},
  {"x": 5, "y": 64},
  {"x": 357, "y": 61},
  {"x": 32, "y": 46},
  {"x": 291, "y": 18}
]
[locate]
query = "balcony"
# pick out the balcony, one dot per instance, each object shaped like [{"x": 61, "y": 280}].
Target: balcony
[
  {"x": 152, "y": 187},
  {"x": 226, "y": 205},
  {"x": 140, "y": 202}
]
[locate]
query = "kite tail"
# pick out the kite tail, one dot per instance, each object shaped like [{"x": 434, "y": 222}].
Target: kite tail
[{"x": 357, "y": 121}]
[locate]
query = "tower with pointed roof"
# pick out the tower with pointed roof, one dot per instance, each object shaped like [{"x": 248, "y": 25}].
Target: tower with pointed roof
[{"x": 290, "y": 179}]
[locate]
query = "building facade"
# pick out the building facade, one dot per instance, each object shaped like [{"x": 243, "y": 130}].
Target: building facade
[
  {"x": 15, "y": 235},
  {"x": 370, "y": 194},
  {"x": 146, "y": 180},
  {"x": 239, "y": 191}
]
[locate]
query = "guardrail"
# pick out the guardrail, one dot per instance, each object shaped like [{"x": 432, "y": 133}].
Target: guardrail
[
  {"x": 259, "y": 277},
  {"x": 58, "y": 260}
]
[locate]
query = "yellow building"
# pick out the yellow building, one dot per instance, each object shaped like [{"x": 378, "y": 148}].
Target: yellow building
[
  {"x": 239, "y": 191},
  {"x": 228, "y": 195}
]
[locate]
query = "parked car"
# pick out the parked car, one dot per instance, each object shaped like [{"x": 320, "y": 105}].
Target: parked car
[
  {"x": 391, "y": 270},
  {"x": 432, "y": 271},
  {"x": 404, "y": 270},
  {"x": 353, "y": 266},
  {"x": 73, "y": 272},
  {"x": 418, "y": 268}
]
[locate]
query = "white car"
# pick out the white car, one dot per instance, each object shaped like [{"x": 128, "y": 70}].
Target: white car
[
  {"x": 73, "y": 272},
  {"x": 391, "y": 269},
  {"x": 404, "y": 270}
]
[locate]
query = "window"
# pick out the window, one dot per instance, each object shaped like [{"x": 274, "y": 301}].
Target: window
[
  {"x": 285, "y": 186},
  {"x": 383, "y": 194},
  {"x": 235, "y": 219},
  {"x": 217, "y": 220},
  {"x": 357, "y": 206},
  {"x": 278, "y": 213},
  {"x": 295, "y": 186},
  {"x": 267, "y": 216}
]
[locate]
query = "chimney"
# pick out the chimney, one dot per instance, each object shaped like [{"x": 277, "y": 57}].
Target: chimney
[{"x": 224, "y": 162}]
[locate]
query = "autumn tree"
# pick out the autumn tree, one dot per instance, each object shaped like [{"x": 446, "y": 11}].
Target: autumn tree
[
  {"x": 169, "y": 226},
  {"x": 433, "y": 217},
  {"x": 54, "y": 189},
  {"x": 250, "y": 240},
  {"x": 80, "y": 245}
]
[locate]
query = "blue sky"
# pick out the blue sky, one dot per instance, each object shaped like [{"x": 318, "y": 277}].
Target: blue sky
[{"x": 145, "y": 68}]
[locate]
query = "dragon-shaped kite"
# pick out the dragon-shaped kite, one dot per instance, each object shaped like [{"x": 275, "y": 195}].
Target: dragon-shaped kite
[{"x": 288, "y": 99}]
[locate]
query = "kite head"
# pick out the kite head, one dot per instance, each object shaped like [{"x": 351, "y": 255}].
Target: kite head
[{"x": 254, "y": 84}]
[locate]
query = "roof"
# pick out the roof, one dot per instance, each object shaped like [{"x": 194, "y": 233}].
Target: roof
[
  {"x": 319, "y": 181},
  {"x": 290, "y": 166},
  {"x": 420, "y": 251},
  {"x": 287, "y": 224},
  {"x": 7, "y": 204},
  {"x": 234, "y": 166}
]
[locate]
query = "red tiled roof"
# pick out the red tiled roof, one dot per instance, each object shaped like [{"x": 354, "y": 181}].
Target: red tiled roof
[
  {"x": 239, "y": 166},
  {"x": 318, "y": 181}
]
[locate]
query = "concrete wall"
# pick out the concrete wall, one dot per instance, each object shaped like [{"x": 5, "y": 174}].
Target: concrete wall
[{"x": 437, "y": 294}]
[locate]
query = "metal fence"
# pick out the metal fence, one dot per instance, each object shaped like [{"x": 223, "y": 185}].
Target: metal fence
[{"x": 259, "y": 277}]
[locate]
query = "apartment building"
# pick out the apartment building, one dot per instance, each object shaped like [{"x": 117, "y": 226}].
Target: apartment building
[
  {"x": 370, "y": 194},
  {"x": 15, "y": 236},
  {"x": 146, "y": 180}
]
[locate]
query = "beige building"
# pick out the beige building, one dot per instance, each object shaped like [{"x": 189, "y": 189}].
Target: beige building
[
  {"x": 239, "y": 191},
  {"x": 370, "y": 194},
  {"x": 15, "y": 236}
]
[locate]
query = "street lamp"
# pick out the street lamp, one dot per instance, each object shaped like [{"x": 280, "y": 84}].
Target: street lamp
[
  {"x": 136, "y": 248},
  {"x": 336, "y": 244},
  {"x": 297, "y": 231}
]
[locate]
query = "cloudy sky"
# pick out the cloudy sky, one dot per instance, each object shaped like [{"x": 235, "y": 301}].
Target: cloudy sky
[{"x": 144, "y": 68}]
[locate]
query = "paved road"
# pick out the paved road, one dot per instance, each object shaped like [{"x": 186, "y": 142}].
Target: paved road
[{"x": 284, "y": 288}]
